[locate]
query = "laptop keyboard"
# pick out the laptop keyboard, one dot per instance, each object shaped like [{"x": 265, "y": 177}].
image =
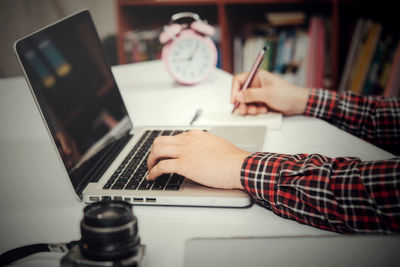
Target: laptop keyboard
[{"x": 131, "y": 173}]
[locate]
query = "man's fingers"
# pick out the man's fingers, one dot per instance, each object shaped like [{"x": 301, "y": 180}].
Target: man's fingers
[
  {"x": 252, "y": 95},
  {"x": 242, "y": 109},
  {"x": 162, "y": 151},
  {"x": 170, "y": 140},
  {"x": 262, "y": 109},
  {"x": 237, "y": 83},
  {"x": 162, "y": 167},
  {"x": 252, "y": 109}
]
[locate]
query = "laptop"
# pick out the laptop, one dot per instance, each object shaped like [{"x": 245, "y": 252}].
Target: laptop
[{"x": 102, "y": 153}]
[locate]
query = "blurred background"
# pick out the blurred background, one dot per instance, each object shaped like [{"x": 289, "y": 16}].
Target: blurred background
[
  {"x": 21, "y": 17},
  {"x": 334, "y": 44}
]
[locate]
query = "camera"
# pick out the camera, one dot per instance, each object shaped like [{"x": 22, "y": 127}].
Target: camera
[{"x": 109, "y": 237}]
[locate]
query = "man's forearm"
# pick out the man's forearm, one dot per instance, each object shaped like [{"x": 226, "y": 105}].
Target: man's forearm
[
  {"x": 343, "y": 194},
  {"x": 374, "y": 119}
]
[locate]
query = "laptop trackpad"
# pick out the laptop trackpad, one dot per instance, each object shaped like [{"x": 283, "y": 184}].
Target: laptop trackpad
[
  {"x": 249, "y": 138},
  {"x": 250, "y": 148}
]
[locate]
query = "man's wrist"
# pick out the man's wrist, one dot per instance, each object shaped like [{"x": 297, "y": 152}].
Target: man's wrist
[
  {"x": 253, "y": 166},
  {"x": 321, "y": 103},
  {"x": 302, "y": 100},
  {"x": 260, "y": 176},
  {"x": 241, "y": 159}
]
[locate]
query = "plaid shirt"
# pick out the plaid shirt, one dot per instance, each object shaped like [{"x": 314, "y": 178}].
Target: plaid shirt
[{"x": 344, "y": 194}]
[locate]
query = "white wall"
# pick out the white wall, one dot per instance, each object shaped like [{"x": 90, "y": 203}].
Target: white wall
[{"x": 21, "y": 17}]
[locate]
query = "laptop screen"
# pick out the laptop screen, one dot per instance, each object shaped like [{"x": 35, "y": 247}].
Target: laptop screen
[{"x": 76, "y": 93}]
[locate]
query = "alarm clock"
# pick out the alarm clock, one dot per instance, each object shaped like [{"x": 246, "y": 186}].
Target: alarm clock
[{"x": 188, "y": 51}]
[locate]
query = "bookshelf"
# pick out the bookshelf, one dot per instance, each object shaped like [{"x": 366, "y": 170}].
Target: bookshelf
[
  {"x": 374, "y": 25},
  {"x": 232, "y": 16}
]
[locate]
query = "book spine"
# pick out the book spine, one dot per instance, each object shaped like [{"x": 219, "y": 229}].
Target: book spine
[
  {"x": 358, "y": 55},
  {"x": 311, "y": 55},
  {"x": 319, "y": 79},
  {"x": 344, "y": 81},
  {"x": 279, "y": 63},
  {"x": 372, "y": 76},
  {"x": 393, "y": 83},
  {"x": 365, "y": 58}
]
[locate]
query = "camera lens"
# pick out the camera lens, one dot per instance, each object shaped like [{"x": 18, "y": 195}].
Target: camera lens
[{"x": 109, "y": 231}]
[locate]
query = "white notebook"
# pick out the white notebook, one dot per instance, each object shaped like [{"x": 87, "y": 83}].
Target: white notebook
[{"x": 223, "y": 116}]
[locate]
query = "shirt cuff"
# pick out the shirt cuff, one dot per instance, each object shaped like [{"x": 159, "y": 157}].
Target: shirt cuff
[
  {"x": 260, "y": 176},
  {"x": 321, "y": 104}
]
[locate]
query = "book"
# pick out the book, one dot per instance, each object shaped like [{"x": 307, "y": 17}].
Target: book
[
  {"x": 223, "y": 116},
  {"x": 280, "y": 57},
  {"x": 373, "y": 72},
  {"x": 251, "y": 48},
  {"x": 296, "y": 69},
  {"x": 387, "y": 60},
  {"x": 320, "y": 60},
  {"x": 392, "y": 88},
  {"x": 328, "y": 59},
  {"x": 238, "y": 54},
  {"x": 364, "y": 61},
  {"x": 385, "y": 74},
  {"x": 285, "y": 51},
  {"x": 316, "y": 53},
  {"x": 271, "y": 41},
  {"x": 245, "y": 48},
  {"x": 366, "y": 26},
  {"x": 285, "y": 18},
  {"x": 301, "y": 58},
  {"x": 351, "y": 56}
]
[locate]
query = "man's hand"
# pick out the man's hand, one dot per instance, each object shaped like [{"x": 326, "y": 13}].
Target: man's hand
[
  {"x": 266, "y": 92},
  {"x": 202, "y": 157}
]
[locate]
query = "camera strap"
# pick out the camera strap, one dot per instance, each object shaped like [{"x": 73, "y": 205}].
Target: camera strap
[{"x": 24, "y": 251}]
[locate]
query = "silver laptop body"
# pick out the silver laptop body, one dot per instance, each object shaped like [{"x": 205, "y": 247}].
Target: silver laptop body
[{"x": 81, "y": 106}]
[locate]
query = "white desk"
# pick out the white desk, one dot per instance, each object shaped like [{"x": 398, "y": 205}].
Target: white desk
[{"x": 33, "y": 213}]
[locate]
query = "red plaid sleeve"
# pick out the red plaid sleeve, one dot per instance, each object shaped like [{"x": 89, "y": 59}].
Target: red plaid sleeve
[
  {"x": 374, "y": 119},
  {"x": 344, "y": 195}
]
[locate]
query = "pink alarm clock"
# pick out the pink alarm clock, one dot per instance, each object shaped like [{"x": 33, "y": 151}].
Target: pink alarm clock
[{"x": 189, "y": 53}]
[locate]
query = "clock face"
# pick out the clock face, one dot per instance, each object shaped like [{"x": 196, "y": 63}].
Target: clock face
[{"x": 190, "y": 59}]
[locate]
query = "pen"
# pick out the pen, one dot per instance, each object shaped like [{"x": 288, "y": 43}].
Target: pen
[
  {"x": 196, "y": 116},
  {"x": 252, "y": 73}
]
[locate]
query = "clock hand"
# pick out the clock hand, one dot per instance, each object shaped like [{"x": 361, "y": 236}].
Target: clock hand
[
  {"x": 190, "y": 57},
  {"x": 194, "y": 51}
]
